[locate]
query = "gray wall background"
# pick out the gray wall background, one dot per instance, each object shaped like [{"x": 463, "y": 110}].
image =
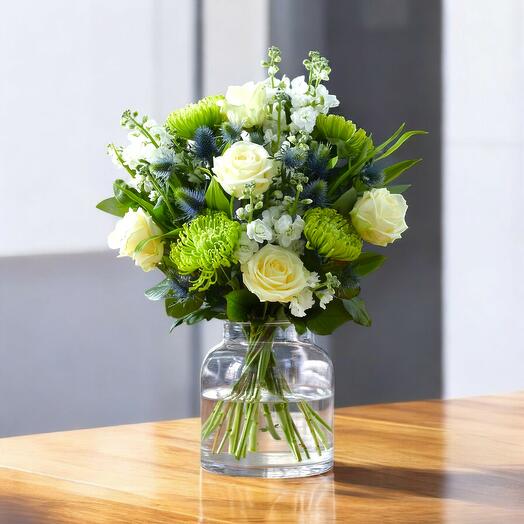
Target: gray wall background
[{"x": 386, "y": 61}]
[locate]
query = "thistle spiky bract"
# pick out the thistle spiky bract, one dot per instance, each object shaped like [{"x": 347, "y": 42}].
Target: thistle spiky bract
[
  {"x": 191, "y": 202},
  {"x": 205, "y": 146}
]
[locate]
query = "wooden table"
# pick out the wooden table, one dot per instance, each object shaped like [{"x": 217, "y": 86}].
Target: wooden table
[{"x": 421, "y": 462}]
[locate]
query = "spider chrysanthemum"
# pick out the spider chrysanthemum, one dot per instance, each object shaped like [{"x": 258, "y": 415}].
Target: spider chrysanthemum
[
  {"x": 184, "y": 122},
  {"x": 331, "y": 235},
  {"x": 205, "y": 245}
]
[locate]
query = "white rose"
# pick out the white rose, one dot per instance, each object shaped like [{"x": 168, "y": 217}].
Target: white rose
[
  {"x": 259, "y": 231},
  {"x": 275, "y": 274},
  {"x": 134, "y": 227},
  {"x": 244, "y": 163},
  {"x": 379, "y": 216},
  {"x": 246, "y": 104}
]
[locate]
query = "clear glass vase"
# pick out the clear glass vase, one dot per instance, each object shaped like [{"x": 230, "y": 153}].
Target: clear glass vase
[{"x": 267, "y": 403}]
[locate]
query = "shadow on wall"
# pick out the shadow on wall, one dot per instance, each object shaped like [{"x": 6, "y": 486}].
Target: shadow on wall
[{"x": 76, "y": 344}]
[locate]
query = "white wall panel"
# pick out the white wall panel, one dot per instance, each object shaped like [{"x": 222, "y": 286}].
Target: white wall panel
[
  {"x": 483, "y": 141},
  {"x": 67, "y": 70}
]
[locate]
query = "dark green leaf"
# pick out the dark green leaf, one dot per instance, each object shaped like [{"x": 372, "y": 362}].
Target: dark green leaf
[
  {"x": 345, "y": 202},
  {"x": 357, "y": 310},
  {"x": 159, "y": 291},
  {"x": 216, "y": 198},
  {"x": 113, "y": 207},
  {"x": 180, "y": 308},
  {"x": 367, "y": 263},
  {"x": 240, "y": 305},
  {"x": 325, "y": 321},
  {"x": 395, "y": 170},
  {"x": 348, "y": 292}
]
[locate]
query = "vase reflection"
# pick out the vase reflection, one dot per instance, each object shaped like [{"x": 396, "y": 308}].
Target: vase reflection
[{"x": 243, "y": 499}]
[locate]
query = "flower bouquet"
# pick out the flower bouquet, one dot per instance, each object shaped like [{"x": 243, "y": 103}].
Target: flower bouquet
[{"x": 256, "y": 206}]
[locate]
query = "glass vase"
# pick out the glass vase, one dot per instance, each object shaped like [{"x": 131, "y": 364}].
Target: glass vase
[{"x": 267, "y": 403}]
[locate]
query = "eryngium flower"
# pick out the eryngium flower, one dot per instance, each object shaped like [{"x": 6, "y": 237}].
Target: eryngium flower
[
  {"x": 206, "y": 112},
  {"x": 205, "y": 245},
  {"x": 331, "y": 234}
]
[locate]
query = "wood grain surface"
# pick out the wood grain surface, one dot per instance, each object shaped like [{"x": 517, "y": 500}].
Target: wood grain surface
[{"x": 418, "y": 462}]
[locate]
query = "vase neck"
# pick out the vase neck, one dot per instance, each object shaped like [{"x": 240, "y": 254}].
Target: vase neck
[{"x": 273, "y": 331}]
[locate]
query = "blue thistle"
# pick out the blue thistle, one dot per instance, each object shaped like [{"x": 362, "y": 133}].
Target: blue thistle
[
  {"x": 257, "y": 137},
  {"x": 180, "y": 287},
  {"x": 162, "y": 163},
  {"x": 317, "y": 192},
  {"x": 318, "y": 159},
  {"x": 294, "y": 157},
  {"x": 190, "y": 202},
  {"x": 205, "y": 146},
  {"x": 230, "y": 133},
  {"x": 372, "y": 175}
]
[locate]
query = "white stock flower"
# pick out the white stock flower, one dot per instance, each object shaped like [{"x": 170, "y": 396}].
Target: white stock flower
[
  {"x": 132, "y": 229},
  {"x": 275, "y": 274},
  {"x": 288, "y": 230},
  {"x": 259, "y": 231},
  {"x": 379, "y": 216},
  {"x": 246, "y": 104},
  {"x": 298, "y": 92},
  {"x": 325, "y": 100},
  {"x": 303, "y": 301},
  {"x": 139, "y": 149},
  {"x": 271, "y": 215},
  {"x": 304, "y": 118},
  {"x": 244, "y": 163},
  {"x": 325, "y": 297},
  {"x": 246, "y": 248}
]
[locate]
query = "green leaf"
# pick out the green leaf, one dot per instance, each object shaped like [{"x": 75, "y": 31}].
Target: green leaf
[
  {"x": 394, "y": 171},
  {"x": 325, "y": 321},
  {"x": 180, "y": 308},
  {"x": 357, "y": 310},
  {"x": 159, "y": 291},
  {"x": 332, "y": 162},
  {"x": 383, "y": 146},
  {"x": 240, "y": 305},
  {"x": 403, "y": 138},
  {"x": 216, "y": 198},
  {"x": 399, "y": 188},
  {"x": 113, "y": 207},
  {"x": 367, "y": 263},
  {"x": 127, "y": 196},
  {"x": 345, "y": 202},
  {"x": 348, "y": 292}
]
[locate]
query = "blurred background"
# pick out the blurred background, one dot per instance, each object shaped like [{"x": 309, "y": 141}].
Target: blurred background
[{"x": 81, "y": 346}]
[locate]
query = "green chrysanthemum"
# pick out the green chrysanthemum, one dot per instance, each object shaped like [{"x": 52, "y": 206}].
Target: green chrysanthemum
[
  {"x": 337, "y": 130},
  {"x": 331, "y": 234},
  {"x": 205, "y": 245},
  {"x": 206, "y": 112}
]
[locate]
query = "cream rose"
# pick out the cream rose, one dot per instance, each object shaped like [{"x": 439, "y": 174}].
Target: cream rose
[
  {"x": 246, "y": 104},
  {"x": 244, "y": 163},
  {"x": 134, "y": 227},
  {"x": 275, "y": 274},
  {"x": 379, "y": 216}
]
